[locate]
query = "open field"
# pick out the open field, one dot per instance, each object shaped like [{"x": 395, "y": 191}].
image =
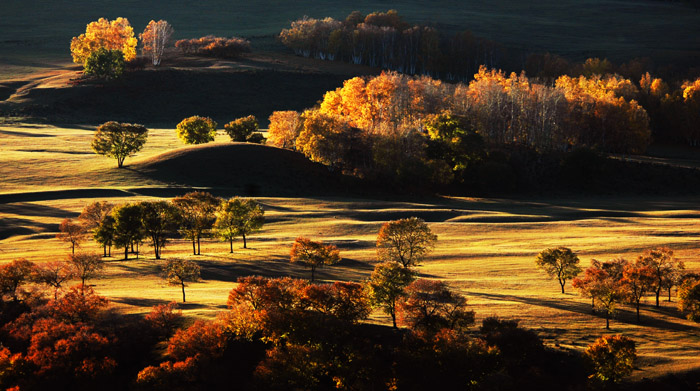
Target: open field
[
  {"x": 486, "y": 247},
  {"x": 34, "y": 33}
]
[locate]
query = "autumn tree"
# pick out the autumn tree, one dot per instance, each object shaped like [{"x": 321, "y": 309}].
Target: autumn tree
[
  {"x": 197, "y": 215},
  {"x": 430, "y": 306},
  {"x": 387, "y": 285},
  {"x": 13, "y": 275},
  {"x": 180, "y": 272},
  {"x": 54, "y": 274},
  {"x": 613, "y": 357},
  {"x": 119, "y": 140},
  {"x": 238, "y": 217},
  {"x": 128, "y": 227},
  {"x": 639, "y": 279},
  {"x": 284, "y": 129},
  {"x": 104, "y": 34},
  {"x": 664, "y": 267},
  {"x": 346, "y": 301},
  {"x": 164, "y": 319},
  {"x": 196, "y": 130},
  {"x": 313, "y": 254},
  {"x": 559, "y": 262},
  {"x": 242, "y": 128},
  {"x": 71, "y": 232},
  {"x": 605, "y": 288},
  {"x": 155, "y": 38},
  {"x": 689, "y": 299},
  {"x": 587, "y": 284},
  {"x": 105, "y": 64},
  {"x": 86, "y": 265},
  {"x": 406, "y": 241},
  {"x": 159, "y": 220}
]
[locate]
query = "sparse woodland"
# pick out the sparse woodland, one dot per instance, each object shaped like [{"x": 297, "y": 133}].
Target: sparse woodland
[{"x": 441, "y": 117}]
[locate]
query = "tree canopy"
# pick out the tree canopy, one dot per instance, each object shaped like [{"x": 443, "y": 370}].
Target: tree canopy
[
  {"x": 559, "y": 262},
  {"x": 196, "y": 130},
  {"x": 119, "y": 140},
  {"x": 313, "y": 254},
  {"x": 406, "y": 241},
  {"x": 238, "y": 217},
  {"x": 104, "y": 34},
  {"x": 181, "y": 271}
]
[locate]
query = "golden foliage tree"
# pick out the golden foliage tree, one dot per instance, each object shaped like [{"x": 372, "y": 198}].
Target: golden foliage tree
[
  {"x": 284, "y": 129},
  {"x": 113, "y": 35},
  {"x": 313, "y": 254}
]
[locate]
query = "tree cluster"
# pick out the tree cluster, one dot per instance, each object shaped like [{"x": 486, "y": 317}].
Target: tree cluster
[
  {"x": 194, "y": 216},
  {"x": 384, "y": 39},
  {"x": 201, "y": 130}
]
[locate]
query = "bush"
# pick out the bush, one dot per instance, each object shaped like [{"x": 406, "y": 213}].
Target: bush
[
  {"x": 196, "y": 130},
  {"x": 612, "y": 357},
  {"x": 105, "y": 64},
  {"x": 242, "y": 128},
  {"x": 211, "y": 46}
]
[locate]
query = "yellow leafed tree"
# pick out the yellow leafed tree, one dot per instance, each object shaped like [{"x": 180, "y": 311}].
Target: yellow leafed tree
[{"x": 114, "y": 35}]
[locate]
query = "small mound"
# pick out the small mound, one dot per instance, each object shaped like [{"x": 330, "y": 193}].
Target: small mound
[{"x": 247, "y": 169}]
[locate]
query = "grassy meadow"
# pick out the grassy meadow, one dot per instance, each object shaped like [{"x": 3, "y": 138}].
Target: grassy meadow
[
  {"x": 486, "y": 247},
  {"x": 35, "y": 33}
]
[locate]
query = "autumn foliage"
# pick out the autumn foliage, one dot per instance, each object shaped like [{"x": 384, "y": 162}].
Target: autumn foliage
[
  {"x": 104, "y": 34},
  {"x": 211, "y": 46}
]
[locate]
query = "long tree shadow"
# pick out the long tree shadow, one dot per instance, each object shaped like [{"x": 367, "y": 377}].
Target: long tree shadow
[{"x": 624, "y": 316}]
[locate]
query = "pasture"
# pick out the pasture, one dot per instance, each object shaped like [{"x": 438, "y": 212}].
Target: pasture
[
  {"x": 34, "y": 34},
  {"x": 486, "y": 247}
]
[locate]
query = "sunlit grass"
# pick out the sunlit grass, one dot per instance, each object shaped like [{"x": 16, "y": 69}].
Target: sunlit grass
[{"x": 486, "y": 247}]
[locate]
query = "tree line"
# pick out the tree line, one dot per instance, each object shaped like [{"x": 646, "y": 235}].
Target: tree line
[{"x": 193, "y": 216}]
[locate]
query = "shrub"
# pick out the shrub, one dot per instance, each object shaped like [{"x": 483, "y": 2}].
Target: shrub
[
  {"x": 196, "y": 130},
  {"x": 211, "y": 46},
  {"x": 105, "y": 64}
]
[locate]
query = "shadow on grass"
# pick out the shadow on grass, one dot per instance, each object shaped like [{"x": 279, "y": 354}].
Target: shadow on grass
[{"x": 623, "y": 316}]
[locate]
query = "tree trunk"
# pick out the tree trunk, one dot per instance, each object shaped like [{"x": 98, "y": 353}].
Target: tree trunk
[
  {"x": 658, "y": 293},
  {"x": 669, "y": 294},
  {"x": 393, "y": 314},
  {"x": 126, "y": 252},
  {"x": 110, "y": 251},
  {"x": 231, "y": 244},
  {"x": 137, "y": 250},
  {"x": 199, "y": 252},
  {"x": 194, "y": 249},
  {"x": 244, "y": 242},
  {"x": 638, "y": 320},
  {"x": 73, "y": 248},
  {"x": 104, "y": 250},
  {"x": 562, "y": 285},
  {"x": 183, "y": 291},
  {"x": 607, "y": 320}
]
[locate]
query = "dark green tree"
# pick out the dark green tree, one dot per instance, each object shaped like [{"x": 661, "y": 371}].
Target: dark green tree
[
  {"x": 241, "y": 129},
  {"x": 104, "y": 235},
  {"x": 387, "y": 285},
  {"x": 119, "y": 140},
  {"x": 160, "y": 222},
  {"x": 105, "y": 64},
  {"x": 197, "y": 215},
  {"x": 128, "y": 229}
]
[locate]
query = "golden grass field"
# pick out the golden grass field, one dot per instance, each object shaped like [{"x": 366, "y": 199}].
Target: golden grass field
[{"x": 486, "y": 247}]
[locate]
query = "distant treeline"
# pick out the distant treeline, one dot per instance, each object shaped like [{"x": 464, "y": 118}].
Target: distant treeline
[{"x": 384, "y": 39}]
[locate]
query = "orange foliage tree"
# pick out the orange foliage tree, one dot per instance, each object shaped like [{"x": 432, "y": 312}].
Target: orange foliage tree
[
  {"x": 104, "y": 34},
  {"x": 313, "y": 254},
  {"x": 71, "y": 232},
  {"x": 284, "y": 129}
]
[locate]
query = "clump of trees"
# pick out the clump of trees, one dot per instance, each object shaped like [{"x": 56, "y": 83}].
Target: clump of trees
[
  {"x": 119, "y": 140},
  {"x": 384, "y": 39},
  {"x": 619, "y": 281},
  {"x": 211, "y": 46},
  {"x": 238, "y": 217}
]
